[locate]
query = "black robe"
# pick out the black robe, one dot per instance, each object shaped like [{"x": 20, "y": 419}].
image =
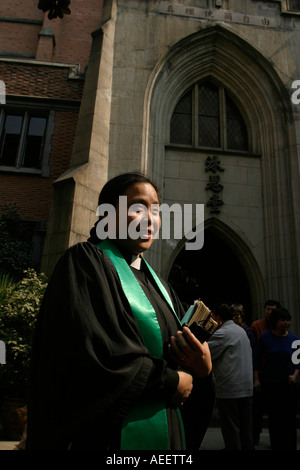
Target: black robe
[{"x": 89, "y": 361}]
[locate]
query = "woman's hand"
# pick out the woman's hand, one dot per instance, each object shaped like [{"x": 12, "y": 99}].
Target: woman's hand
[
  {"x": 293, "y": 378},
  {"x": 190, "y": 354},
  {"x": 184, "y": 388}
]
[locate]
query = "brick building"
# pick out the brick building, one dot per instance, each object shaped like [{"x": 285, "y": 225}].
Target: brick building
[{"x": 42, "y": 64}]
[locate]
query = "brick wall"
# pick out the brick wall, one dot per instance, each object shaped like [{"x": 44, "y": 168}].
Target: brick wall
[
  {"x": 72, "y": 33},
  {"x": 27, "y": 79},
  {"x": 33, "y": 193},
  {"x": 76, "y": 29},
  {"x": 20, "y": 39},
  {"x": 21, "y": 9}
]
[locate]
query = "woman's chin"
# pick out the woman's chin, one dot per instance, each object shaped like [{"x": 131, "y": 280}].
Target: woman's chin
[{"x": 135, "y": 246}]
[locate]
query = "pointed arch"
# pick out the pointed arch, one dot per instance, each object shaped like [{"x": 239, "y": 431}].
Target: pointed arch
[
  {"x": 240, "y": 249},
  {"x": 217, "y": 54}
]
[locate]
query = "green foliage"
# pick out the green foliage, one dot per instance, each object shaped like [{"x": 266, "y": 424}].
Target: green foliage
[
  {"x": 5, "y": 280},
  {"x": 19, "y": 306},
  {"x": 15, "y": 242},
  {"x": 56, "y": 8}
]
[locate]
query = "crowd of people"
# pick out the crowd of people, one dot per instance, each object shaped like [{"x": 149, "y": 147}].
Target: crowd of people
[
  {"x": 115, "y": 369},
  {"x": 254, "y": 376}
]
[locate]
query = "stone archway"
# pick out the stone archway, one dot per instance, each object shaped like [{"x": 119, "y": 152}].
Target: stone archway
[{"x": 224, "y": 270}]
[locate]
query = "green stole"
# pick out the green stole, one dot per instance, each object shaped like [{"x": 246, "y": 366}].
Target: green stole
[{"x": 146, "y": 426}]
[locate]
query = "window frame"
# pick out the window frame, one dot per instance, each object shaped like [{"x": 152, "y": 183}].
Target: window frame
[
  {"x": 286, "y": 9},
  {"x": 291, "y": 10},
  {"x": 222, "y": 92},
  {"x": 27, "y": 113}
]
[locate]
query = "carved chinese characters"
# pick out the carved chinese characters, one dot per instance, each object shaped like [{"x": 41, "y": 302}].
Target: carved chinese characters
[{"x": 214, "y": 185}]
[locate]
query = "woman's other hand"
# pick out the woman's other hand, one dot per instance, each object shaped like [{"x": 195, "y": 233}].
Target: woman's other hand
[
  {"x": 190, "y": 354},
  {"x": 184, "y": 388}
]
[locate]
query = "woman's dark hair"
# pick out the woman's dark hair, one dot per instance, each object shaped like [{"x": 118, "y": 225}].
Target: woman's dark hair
[
  {"x": 225, "y": 312},
  {"x": 279, "y": 314},
  {"x": 116, "y": 187}
]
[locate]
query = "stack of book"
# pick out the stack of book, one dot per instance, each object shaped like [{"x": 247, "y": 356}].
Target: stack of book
[{"x": 199, "y": 319}]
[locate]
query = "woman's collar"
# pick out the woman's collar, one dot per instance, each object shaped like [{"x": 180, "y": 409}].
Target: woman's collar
[
  {"x": 136, "y": 262},
  {"x": 133, "y": 260}
]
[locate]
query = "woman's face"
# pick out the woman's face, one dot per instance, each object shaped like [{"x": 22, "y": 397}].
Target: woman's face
[
  {"x": 282, "y": 326},
  {"x": 140, "y": 216}
]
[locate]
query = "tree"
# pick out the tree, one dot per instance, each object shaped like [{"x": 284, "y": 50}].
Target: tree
[
  {"x": 19, "y": 306},
  {"x": 15, "y": 242},
  {"x": 56, "y": 8}
]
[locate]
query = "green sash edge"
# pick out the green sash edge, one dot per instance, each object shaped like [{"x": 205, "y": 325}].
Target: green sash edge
[{"x": 146, "y": 426}]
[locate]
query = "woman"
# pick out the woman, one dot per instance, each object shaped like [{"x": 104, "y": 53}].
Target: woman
[
  {"x": 275, "y": 376},
  {"x": 102, "y": 375}
]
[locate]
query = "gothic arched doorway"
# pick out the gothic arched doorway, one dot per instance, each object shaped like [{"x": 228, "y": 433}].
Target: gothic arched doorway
[{"x": 213, "y": 274}]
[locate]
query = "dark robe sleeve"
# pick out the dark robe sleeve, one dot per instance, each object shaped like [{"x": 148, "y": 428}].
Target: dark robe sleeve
[{"x": 89, "y": 362}]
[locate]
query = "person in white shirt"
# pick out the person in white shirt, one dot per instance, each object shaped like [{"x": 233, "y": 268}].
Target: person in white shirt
[{"x": 233, "y": 372}]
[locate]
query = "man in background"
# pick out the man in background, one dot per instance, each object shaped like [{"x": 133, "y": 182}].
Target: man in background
[
  {"x": 232, "y": 368},
  {"x": 257, "y": 328},
  {"x": 260, "y": 326}
]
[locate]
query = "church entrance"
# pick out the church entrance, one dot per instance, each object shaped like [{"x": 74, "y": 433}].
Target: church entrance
[{"x": 213, "y": 274}]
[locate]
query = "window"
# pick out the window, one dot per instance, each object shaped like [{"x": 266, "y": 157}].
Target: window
[
  {"x": 23, "y": 138},
  {"x": 236, "y": 129},
  {"x": 293, "y": 5},
  {"x": 182, "y": 119},
  {"x": 290, "y": 7},
  {"x": 206, "y": 116}
]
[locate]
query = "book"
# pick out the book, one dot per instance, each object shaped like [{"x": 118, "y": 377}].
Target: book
[{"x": 199, "y": 319}]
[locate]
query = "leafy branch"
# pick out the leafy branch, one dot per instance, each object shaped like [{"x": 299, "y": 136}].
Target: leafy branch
[
  {"x": 19, "y": 306},
  {"x": 56, "y": 8}
]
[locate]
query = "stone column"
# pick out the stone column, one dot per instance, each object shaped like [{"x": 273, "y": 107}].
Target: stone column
[{"x": 48, "y": 38}]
